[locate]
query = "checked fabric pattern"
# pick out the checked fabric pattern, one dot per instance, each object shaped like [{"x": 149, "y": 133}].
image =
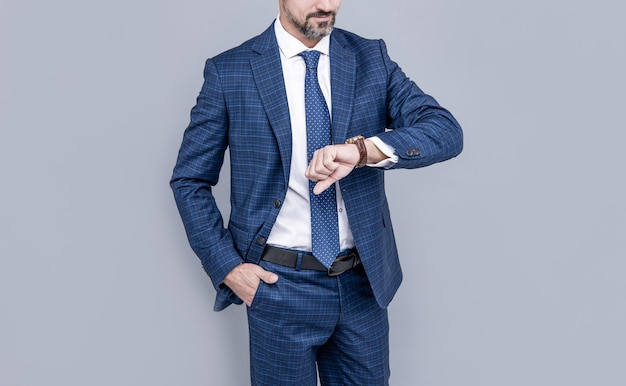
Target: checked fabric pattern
[
  {"x": 324, "y": 223},
  {"x": 243, "y": 100}
]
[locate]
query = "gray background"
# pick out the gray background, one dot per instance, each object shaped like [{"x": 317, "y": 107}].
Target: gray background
[{"x": 514, "y": 253}]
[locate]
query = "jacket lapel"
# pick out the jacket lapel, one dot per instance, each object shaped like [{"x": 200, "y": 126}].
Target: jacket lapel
[
  {"x": 342, "y": 80},
  {"x": 268, "y": 75}
]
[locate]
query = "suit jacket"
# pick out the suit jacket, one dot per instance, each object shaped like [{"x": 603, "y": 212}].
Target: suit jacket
[{"x": 242, "y": 106}]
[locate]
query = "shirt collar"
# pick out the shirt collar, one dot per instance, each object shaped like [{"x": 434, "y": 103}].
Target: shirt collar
[{"x": 290, "y": 46}]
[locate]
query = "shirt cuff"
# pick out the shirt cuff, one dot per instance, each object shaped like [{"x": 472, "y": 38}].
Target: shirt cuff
[{"x": 387, "y": 150}]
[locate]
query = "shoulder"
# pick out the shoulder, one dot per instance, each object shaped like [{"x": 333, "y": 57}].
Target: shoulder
[
  {"x": 355, "y": 42},
  {"x": 369, "y": 54}
]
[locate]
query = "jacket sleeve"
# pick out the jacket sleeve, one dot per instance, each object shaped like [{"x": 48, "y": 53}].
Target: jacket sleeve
[
  {"x": 197, "y": 170},
  {"x": 421, "y": 132}
]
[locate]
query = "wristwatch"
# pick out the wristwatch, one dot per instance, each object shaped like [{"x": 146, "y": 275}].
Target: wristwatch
[{"x": 359, "y": 141}]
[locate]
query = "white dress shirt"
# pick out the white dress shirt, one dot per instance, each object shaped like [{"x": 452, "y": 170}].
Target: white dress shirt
[{"x": 293, "y": 226}]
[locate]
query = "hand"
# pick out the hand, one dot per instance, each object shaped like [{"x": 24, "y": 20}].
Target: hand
[
  {"x": 244, "y": 280},
  {"x": 330, "y": 164}
]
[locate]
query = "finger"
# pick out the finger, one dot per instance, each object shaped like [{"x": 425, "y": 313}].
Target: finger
[
  {"x": 325, "y": 164},
  {"x": 267, "y": 276},
  {"x": 329, "y": 162},
  {"x": 316, "y": 169},
  {"x": 310, "y": 173},
  {"x": 244, "y": 280},
  {"x": 310, "y": 168},
  {"x": 321, "y": 186}
]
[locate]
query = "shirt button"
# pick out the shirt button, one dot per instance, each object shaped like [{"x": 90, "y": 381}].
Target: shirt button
[
  {"x": 277, "y": 204},
  {"x": 261, "y": 240}
]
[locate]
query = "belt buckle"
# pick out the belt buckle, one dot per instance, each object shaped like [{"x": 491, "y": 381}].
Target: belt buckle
[{"x": 343, "y": 259}]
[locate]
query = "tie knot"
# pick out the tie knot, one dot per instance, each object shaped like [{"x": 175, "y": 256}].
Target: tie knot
[{"x": 311, "y": 58}]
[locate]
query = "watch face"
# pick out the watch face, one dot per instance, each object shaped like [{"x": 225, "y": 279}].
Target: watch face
[{"x": 354, "y": 139}]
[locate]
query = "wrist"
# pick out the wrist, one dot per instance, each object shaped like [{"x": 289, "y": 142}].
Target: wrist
[{"x": 374, "y": 154}]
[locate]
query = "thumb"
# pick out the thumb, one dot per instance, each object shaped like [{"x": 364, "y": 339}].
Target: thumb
[
  {"x": 268, "y": 277},
  {"x": 321, "y": 186}
]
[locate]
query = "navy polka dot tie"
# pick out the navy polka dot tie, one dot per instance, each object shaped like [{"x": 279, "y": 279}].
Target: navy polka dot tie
[{"x": 324, "y": 226}]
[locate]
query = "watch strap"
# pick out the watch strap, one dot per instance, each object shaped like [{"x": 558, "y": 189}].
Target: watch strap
[{"x": 359, "y": 141}]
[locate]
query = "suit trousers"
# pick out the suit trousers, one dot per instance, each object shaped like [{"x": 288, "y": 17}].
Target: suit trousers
[{"x": 309, "y": 322}]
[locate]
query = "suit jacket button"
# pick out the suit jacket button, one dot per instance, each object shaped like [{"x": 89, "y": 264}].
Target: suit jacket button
[
  {"x": 261, "y": 240},
  {"x": 413, "y": 152},
  {"x": 277, "y": 204}
]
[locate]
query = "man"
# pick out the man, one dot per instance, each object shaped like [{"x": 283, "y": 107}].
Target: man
[{"x": 312, "y": 118}]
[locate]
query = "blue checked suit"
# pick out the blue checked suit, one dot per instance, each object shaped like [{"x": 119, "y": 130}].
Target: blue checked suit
[{"x": 242, "y": 106}]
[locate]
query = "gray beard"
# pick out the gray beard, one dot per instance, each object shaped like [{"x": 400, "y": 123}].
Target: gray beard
[{"x": 309, "y": 30}]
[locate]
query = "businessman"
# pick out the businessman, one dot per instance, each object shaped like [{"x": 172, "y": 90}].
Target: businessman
[{"x": 313, "y": 117}]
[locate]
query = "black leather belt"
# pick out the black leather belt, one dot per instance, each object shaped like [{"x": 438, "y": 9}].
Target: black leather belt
[{"x": 290, "y": 259}]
